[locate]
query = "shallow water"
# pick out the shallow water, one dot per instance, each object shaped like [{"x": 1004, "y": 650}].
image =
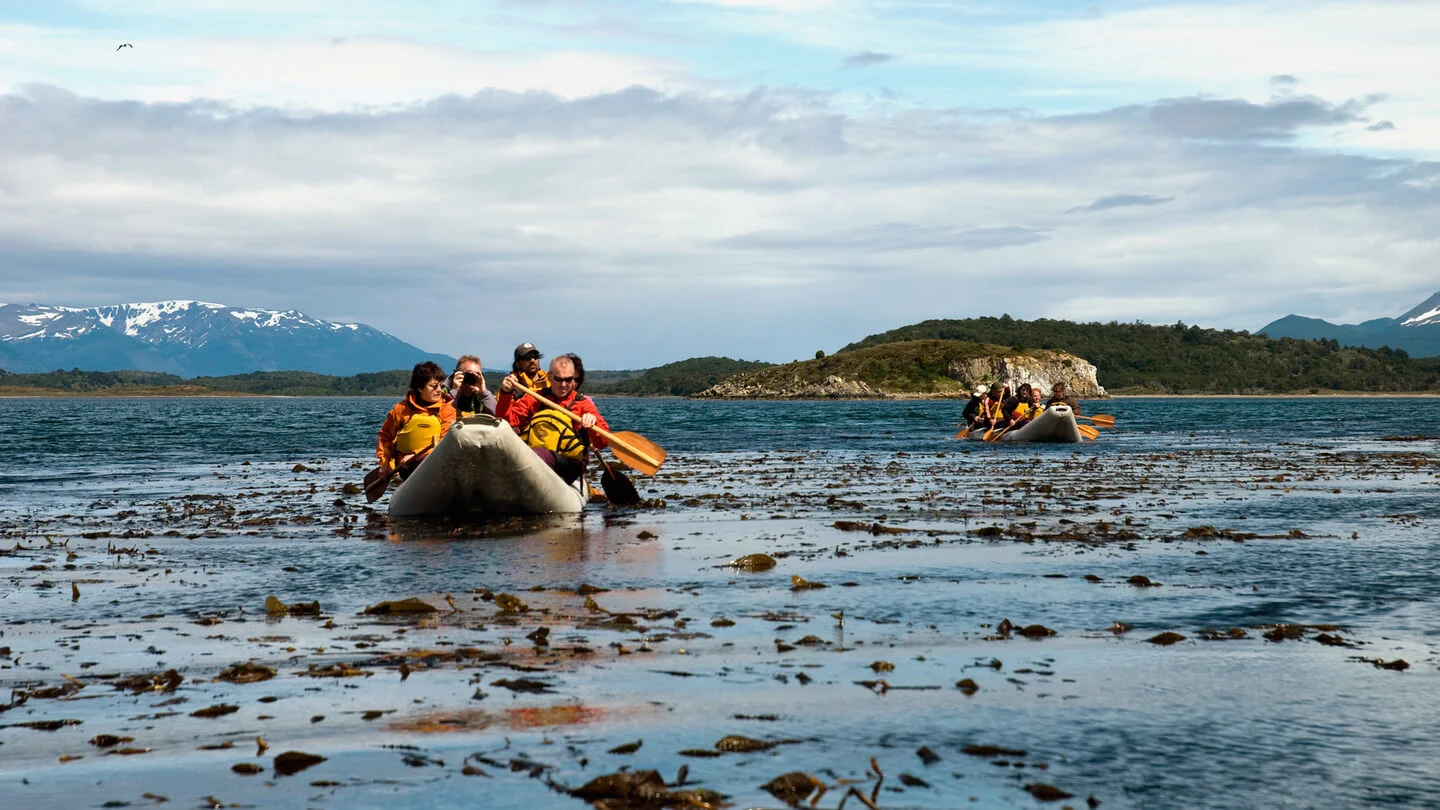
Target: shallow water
[{"x": 1319, "y": 512}]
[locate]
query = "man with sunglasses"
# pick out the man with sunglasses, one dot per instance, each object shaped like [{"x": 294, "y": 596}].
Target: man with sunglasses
[{"x": 561, "y": 443}]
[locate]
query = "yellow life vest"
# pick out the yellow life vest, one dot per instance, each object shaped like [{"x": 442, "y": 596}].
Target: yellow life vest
[
  {"x": 539, "y": 382},
  {"x": 551, "y": 431},
  {"x": 421, "y": 432}
]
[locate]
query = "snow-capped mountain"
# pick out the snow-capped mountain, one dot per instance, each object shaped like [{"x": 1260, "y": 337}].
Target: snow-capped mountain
[
  {"x": 1427, "y": 314},
  {"x": 193, "y": 338},
  {"x": 1417, "y": 331}
]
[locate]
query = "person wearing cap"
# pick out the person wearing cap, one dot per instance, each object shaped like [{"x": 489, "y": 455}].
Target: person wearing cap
[
  {"x": 526, "y": 370},
  {"x": 466, "y": 388},
  {"x": 972, "y": 408},
  {"x": 991, "y": 412},
  {"x": 561, "y": 442}
]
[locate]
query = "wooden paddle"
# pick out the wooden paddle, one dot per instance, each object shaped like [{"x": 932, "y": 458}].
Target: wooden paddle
[
  {"x": 1100, "y": 419},
  {"x": 376, "y": 482},
  {"x": 1088, "y": 432},
  {"x": 1001, "y": 433},
  {"x": 964, "y": 433},
  {"x": 378, "y": 479},
  {"x": 618, "y": 488},
  {"x": 633, "y": 450}
]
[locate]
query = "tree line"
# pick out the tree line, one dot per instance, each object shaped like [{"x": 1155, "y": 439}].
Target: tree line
[{"x": 1181, "y": 359}]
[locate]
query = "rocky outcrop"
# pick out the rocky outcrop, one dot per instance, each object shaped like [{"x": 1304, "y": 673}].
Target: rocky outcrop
[
  {"x": 757, "y": 385},
  {"x": 1043, "y": 368}
]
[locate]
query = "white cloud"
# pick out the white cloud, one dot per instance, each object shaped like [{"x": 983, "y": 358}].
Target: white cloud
[
  {"x": 321, "y": 73},
  {"x": 761, "y": 225},
  {"x": 780, "y": 6}
]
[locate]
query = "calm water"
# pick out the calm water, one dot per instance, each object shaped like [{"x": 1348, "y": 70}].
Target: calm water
[{"x": 1251, "y": 513}]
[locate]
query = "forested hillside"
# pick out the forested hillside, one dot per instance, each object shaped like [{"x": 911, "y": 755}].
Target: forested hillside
[
  {"x": 1184, "y": 359},
  {"x": 679, "y": 379}
]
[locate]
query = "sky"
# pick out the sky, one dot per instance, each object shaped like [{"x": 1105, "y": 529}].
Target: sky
[{"x": 646, "y": 181}]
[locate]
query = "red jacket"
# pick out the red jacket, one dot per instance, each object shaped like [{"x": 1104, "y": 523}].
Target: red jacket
[
  {"x": 399, "y": 415},
  {"x": 518, "y": 412}
]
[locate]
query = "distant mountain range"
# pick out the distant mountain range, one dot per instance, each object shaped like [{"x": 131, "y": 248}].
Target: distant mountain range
[
  {"x": 194, "y": 338},
  {"x": 1417, "y": 331}
]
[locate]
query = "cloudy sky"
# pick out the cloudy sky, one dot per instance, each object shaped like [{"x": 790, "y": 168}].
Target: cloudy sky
[{"x": 650, "y": 180}]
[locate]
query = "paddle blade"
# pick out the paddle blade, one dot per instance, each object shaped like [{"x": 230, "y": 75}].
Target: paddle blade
[
  {"x": 964, "y": 434},
  {"x": 376, "y": 482},
  {"x": 1102, "y": 420},
  {"x": 618, "y": 489},
  {"x": 1088, "y": 432},
  {"x": 637, "y": 452},
  {"x": 989, "y": 435}
]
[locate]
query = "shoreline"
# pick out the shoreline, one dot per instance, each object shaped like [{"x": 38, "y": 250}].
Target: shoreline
[{"x": 40, "y": 393}]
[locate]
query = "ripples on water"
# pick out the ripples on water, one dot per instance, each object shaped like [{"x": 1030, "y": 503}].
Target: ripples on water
[{"x": 203, "y": 517}]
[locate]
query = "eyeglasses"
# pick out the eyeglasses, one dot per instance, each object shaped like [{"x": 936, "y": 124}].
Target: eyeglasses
[
  {"x": 437, "y": 384},
  {"x": 564, "y": 379}
]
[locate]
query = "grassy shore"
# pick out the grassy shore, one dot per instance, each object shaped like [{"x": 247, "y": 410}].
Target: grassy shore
[
  {"x": 1325, "y": 394},
  {"x": 138, "y": 392},
  {"x": 125, "y": 393}
]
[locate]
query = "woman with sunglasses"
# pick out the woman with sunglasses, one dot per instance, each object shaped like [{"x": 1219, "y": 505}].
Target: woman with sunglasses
[
  {"x": 561, "y": 443},
  {"x": 416, "y": 423}
]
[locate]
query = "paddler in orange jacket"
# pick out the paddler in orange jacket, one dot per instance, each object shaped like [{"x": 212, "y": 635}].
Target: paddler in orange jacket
[
  {"x": 417, "y": 422},
  {"x": 561, "y": 443}
]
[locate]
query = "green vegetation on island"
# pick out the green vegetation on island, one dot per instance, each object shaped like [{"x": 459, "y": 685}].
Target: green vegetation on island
[
  {"x": 1139, "y": 358},
  {"x": 680, "y": 379},
  {"x": 921, "y": 367},
  {"x": 927, "y": 358}
]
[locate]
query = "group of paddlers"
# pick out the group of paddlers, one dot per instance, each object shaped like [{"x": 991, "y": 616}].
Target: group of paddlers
[
  {"x": 436, "y": 400},
  {"x": 996, "y": 408}
]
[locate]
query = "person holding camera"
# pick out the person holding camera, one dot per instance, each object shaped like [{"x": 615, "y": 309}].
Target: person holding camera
[{"x": 467, "y": 388}]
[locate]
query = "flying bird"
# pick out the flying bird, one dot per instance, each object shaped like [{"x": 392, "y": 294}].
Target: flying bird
[{"x": 124, "y": 45}]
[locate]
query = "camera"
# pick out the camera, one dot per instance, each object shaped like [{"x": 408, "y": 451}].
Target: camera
[{"x": 471, "y": 378}]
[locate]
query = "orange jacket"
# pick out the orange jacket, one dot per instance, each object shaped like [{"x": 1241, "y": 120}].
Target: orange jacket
[
  {"x": 399, "y": 415},
  {"x": 518, "y": 411}
]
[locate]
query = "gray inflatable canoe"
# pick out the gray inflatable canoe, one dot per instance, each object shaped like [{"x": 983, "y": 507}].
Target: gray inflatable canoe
[
  {"x": 1056, "y": 424},
  {"x": 482, "y": 469}
]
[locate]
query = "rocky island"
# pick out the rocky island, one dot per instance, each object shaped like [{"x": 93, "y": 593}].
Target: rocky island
[{"x": 918, "y": 369}]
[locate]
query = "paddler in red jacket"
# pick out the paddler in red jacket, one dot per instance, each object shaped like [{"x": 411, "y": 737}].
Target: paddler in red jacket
[{"x": 560, "y": 443}]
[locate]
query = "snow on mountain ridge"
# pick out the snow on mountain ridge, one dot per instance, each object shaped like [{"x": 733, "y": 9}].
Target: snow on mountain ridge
[
  {"x": 1423, "y": 319},
  {"x": 158, "y": 323},
  {"x": 193, "y": 338}
]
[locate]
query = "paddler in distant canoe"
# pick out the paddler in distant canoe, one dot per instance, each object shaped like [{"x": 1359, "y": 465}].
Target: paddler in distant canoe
[
  {"x": 551, "y": 436},
  {"x": 972, "y": 408},
  {"x": 416, "y": 423},
  {"x": 1025, "y": 411},
  {"x": 991, "y": 411},
  {"x": 1058, "y": 396}
]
